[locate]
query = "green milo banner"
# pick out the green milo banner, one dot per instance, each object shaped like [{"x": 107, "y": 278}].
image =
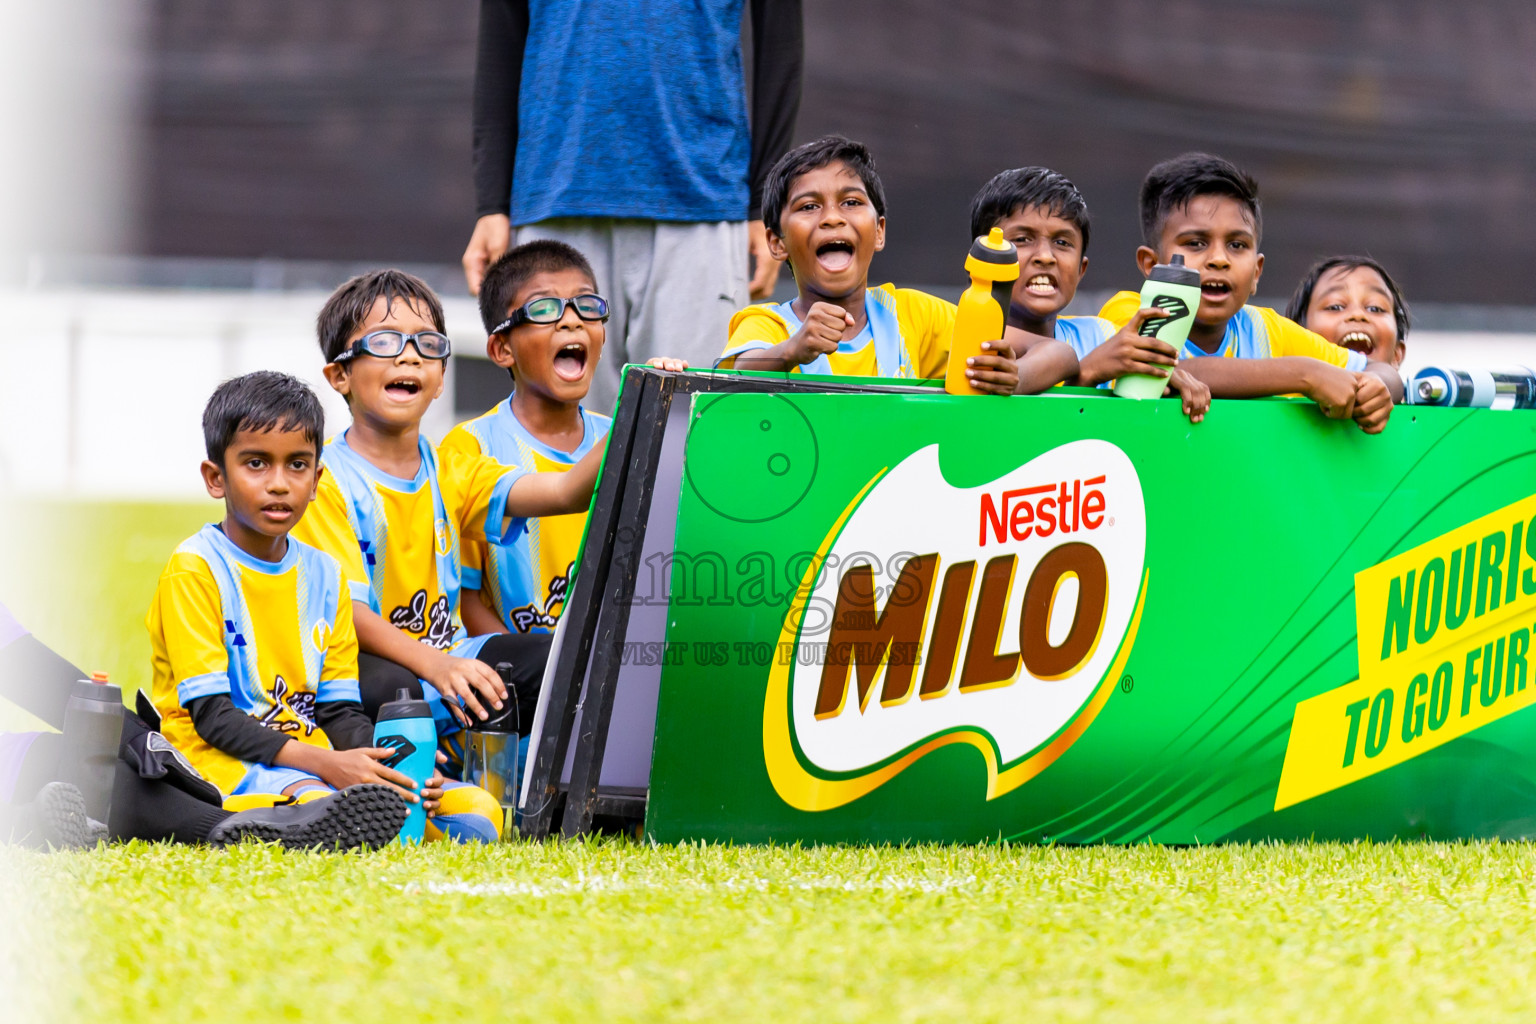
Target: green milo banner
[{"x": 1076, "y": 618}]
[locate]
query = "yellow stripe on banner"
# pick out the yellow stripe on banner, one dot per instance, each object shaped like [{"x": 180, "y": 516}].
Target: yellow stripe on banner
[{"x": 1444, "y": 648}]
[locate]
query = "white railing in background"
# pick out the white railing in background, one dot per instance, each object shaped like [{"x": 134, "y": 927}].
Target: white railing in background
[{"x": 102, "y": 390}]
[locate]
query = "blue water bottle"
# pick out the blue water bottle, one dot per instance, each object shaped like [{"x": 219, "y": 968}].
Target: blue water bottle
[{"x": 405, "y": 725}]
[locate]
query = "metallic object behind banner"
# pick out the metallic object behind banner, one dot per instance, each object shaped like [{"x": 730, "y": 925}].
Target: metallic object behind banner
[{"x": 1509, "y": 388}]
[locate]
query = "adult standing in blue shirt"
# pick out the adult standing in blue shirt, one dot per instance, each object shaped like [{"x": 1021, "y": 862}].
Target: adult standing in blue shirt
[{"x": 621, "y": 127}]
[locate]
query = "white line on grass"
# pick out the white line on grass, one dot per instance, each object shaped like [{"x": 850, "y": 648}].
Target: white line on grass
[{"x": 583, "y": 884}]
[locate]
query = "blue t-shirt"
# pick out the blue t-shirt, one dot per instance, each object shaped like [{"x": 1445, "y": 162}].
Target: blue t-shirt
[
  {"x": 632, "y": 109},
  {"x": 1084, "y": 334}
]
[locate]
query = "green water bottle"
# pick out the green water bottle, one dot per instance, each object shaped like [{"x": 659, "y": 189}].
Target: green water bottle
[{"x": 1175, "y": 288}]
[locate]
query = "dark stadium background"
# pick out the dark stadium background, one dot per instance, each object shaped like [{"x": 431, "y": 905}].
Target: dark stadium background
[{"x": 339, "y": 130}]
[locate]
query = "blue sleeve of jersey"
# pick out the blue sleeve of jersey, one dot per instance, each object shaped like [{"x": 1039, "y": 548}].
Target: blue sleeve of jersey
[
  {"x": 339, "y": 689},
  {"x": 1355, "y": 361},
  {"x": 206, "y": 685},
  {"x": 470, "y": 579}
]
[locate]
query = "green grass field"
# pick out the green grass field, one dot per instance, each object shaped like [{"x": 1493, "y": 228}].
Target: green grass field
[{"x": 619, "y": 930}]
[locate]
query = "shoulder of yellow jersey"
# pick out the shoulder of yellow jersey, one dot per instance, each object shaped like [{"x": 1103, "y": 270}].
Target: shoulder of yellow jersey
[
  {"x": 1120, "y": 308},
  {"x": 464, "y": 437},
  {"x": 1288, "y": 338},
  {"x": 761, "y": 322}
]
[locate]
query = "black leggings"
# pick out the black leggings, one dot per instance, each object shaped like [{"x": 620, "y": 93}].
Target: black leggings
[
  {"x": 518, "y": 657},
  {"x": 35, "y": 678}
]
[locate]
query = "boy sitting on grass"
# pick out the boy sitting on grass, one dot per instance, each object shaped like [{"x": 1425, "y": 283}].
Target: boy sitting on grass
[
  {"x": 824, "y": 208},
  {"x": 255, "y": 658},
  {"x": 1207, "y": 210},
  {"x": 545, "y": 320},
  {"x": 1354, "y": 303},
  {"x": 1046, "y": 218},
  {"x": 392, "y": 511}
]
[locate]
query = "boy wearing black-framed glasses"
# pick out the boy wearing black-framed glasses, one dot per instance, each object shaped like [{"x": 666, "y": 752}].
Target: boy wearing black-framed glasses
[
  {"x": 393, "y": 511},
  {"x": 546, "y": 327}
]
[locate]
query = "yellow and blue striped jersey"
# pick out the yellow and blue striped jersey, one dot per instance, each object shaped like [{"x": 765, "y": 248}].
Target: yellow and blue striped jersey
[
  {"x": 1254, "y": 333},
  {"x": 906, "y": 334},
  {"x": 275, "y": 637},
  {"x": 526, "y": 576},
  {"x": 398, "y": 540}
]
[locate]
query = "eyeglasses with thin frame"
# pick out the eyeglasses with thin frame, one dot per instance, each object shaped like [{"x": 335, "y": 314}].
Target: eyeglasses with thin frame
[
  {"x": 550, "y": 308},
  {"x": 389, "y": 344}
]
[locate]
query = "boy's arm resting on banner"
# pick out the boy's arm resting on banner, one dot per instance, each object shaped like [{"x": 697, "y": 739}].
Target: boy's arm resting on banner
[
  {"x": 1390, "y": 379},
  {"x": 1377, "y": 385},
  {"x": 1331, "y": 387},
  {"x": 1042, "y": 362},
  {"x": 1195, "y": 397},
  {"x": 554, "y": 494},
  {"x": 463, "y": 678}
]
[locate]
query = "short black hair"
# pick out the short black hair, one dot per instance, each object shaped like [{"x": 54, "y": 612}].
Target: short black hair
[
  {"x": 264, "y": 400},
  {"x": 1023, "y": 188},
  {"x": 1297, "y": 310},
  {"x": 1174, "y": 184},
  {"x": 350, "y": 305},
  {"x": 516, "y": 266},
  {"x": 826, "y": 150}
]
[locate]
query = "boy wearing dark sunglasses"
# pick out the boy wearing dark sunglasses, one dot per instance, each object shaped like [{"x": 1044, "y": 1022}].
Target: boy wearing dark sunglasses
[
  {"x": 546, "y": 327},
  {"x": 392, "y": 511}
]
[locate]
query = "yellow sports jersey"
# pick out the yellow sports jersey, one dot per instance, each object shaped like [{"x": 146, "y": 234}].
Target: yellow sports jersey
[
  {"x": 526, "y": 576},
  {"x": 398, "y": 540},
  {"x": 1254, "y": 333},
  {"x": 275, "y": 637},
  {"x": 906, "y": 334}
]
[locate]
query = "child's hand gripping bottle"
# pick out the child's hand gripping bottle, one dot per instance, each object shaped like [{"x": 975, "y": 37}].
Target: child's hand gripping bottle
[
  {"x": 993, "y": 264},
  {"x": 1176, "y": 288},
  {"x": 405, "y": 725}
]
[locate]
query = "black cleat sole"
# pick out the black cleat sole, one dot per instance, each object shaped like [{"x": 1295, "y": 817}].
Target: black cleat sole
[
  {"x": 359, "y": 817},
  {"x": 59, "y": 817}
]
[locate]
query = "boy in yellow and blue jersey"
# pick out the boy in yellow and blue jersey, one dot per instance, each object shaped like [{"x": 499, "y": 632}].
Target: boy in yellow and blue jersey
[
  {"x": 392, "y": 511},
  {"x": 824, "y": 208},
  {"x": 545, "y": 325},
  {"x": 1046, "y": 218},
  {"x": 254, "y": 655},
  {"x": 1207, "y": 210}
]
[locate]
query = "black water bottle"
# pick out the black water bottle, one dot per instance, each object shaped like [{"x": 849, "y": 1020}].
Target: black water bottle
[{"x": 93, "y": 728}]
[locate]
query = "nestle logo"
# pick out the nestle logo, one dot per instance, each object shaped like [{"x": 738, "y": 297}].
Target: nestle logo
[{"x": 1042, "y": 510}]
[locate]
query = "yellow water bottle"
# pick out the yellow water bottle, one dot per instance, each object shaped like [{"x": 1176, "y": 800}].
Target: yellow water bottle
[{"x": 993, "y": 264}]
